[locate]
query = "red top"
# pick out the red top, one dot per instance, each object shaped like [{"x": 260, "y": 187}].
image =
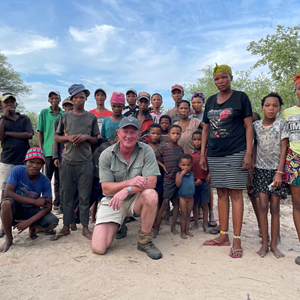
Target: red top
[
  {"x": 107, "y": 113},
  {"x": 198, "y": 172}
]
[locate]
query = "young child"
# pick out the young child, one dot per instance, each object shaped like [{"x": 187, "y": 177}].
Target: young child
[
  {"x": 156, "y": 101},
  {"x": 111, "y": 124},
  {"x": 169, "y": 155},
  {"x": 78, "y": 129},
  {"x": 201, "y": 182},
  {"x": 270, "y": 147},
  {"x": 45, "y": 130},
  {"x": 15, "y": 132},
  {"x": 198, "y": 99},
  {"x": 252, "y": 195},
  {"x": 100, "y": 111},
  {"x": 186, "y": 190},
  {"x": 164, "y": 122},
  {"x": 131, "y": 108}
]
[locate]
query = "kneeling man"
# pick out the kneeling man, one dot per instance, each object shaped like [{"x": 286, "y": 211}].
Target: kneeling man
[
  {"x": 128, "y": 171},
  {"x": 23, "y": 206}
]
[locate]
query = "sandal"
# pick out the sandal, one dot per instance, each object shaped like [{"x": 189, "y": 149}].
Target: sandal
[
  {"x": 234, "y": 253},
  {"x": 47, "y": 232},
  {"x": 214, "y": 231},
  {"x": 215, "y": 243},
  {"x": 58, "y": 236}
]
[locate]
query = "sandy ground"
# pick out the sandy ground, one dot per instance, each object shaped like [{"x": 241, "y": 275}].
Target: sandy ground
[{"x": 67, "y": 269}]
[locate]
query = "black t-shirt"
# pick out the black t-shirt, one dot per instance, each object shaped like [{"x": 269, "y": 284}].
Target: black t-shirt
[
  {"x": 227, "y": 133},
  {"x": 14, "y": 149}
]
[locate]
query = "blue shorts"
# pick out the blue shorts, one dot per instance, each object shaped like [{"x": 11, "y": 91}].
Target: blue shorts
[
  {"x": 24, "y": 213},
  {"x": 160, "y": 183},
  {"x": 202, "y": 193}
]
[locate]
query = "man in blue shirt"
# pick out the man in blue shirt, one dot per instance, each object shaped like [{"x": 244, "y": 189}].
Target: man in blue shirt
[{"x": 27, "y": 199}]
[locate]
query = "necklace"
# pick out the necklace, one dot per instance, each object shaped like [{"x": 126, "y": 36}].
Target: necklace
[
  {"x": 183, "y": 120},
  {"x": 269, "y": 127}
]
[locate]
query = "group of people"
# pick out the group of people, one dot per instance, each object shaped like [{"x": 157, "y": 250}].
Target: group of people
[{"x": 136, "y": 160}]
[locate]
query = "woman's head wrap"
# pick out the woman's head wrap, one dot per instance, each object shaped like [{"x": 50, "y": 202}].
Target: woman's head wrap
[
  {"x": 297, "y": 80},
  {"x": 201, "y": 95},
  {"x": 222, "y": 68}
]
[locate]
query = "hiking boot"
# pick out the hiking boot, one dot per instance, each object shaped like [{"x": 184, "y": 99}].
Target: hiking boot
[
  {"x": 122, "y": 233},
  {"x": 150, "y": 249}
]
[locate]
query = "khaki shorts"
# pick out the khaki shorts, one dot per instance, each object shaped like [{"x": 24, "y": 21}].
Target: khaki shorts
[
  {"x": 106, "y": 214},
  {"x": 5, "y": 170}
]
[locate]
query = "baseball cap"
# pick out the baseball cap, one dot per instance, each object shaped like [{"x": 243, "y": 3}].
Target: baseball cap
[
  {"x": 130, "y": 121},
  {"x": 67, "y": 101},
  {"x": 143, "y": 95},
  {"x": 54, "y": 92},
  {"x": 177, "y": 87},
  {"x": 131, "y": 90},
  {"x": 100, "y": 90},
  {"x": 35, "y": 152},
  {"x": 5, "y": 96}
]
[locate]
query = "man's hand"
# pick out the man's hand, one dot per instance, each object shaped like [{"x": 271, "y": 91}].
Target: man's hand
[
  {"x": 118, "y": 198},
  {"x": 22, "y": 225},
  {"x": 56, "y": 162},
  {"x": 139, "y": 181},
  {"x": 41, "y": 202},
  {"x": 6, "y": 111}
]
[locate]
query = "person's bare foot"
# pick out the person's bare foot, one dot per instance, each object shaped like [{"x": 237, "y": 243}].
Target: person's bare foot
[
  {"x": 6, "y": 245},
  {"x": 189, "y": 234},
  {"x": 194, "y": 227},
  {"x": 205, "y": 229},
  {"x": 73, "y": 227},
  {"x": 183, "y": 235},
  {"x": 174, "y": 231},
  {"x": 263, "y": 251},
  {"x": 32, "y": 234},
  {"x": 155, "y": 233},
  {"x": 276, "y": 252},
  {"x": 86, "y": 232}
]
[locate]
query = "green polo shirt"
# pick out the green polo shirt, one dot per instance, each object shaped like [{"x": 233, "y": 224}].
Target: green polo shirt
[
  {"x": 114, "y": 168},
  {"x": 46, "y": 125}
]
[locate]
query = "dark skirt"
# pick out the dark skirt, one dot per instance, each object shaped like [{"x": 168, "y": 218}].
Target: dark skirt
[{"x": 263, "y": 178}]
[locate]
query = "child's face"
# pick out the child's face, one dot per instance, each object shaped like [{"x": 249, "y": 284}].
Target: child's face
[
  {"x": 174, "y": 134},
  {"x": 68, "y": 107},
  {"x": 197, "y": 138},
  {"x": 154, "y": 135},
  {"x": 164, "y": 124},
  {"x": 184, "y": 111},
  {"x": 143, "y": 104},
  {"x": 197, "y": 104},
  {"x": 117, "y": 108},
  {"x": 185, "y": 164},
  {"x": 177, "y": 96},
  {"x": 10, "y": 103},
  {"x": 271, "y": 107},
  {"x": 131, "y": 98},
  {"x": 156, "y": 101},
  {"x": 54, "y": 100},
  {"x": 79, "y": 100},
  {"x": 100, "y": 98}
]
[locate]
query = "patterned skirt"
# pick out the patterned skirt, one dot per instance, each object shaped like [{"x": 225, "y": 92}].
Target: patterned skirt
[
  {"x": 292, "y": 168},
  {"x": 262, "y": 178}
]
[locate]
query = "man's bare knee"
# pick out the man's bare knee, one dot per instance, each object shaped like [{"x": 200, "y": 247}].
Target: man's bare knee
[
  {"x": 150, "y": 197},
  {"x": 6, "y": 205},
  {"x": 98, "y": 250}
]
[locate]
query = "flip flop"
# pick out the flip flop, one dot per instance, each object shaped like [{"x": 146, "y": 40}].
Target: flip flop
[
  {"x": 233, "y": 253},
  {"x": 47, "y": 232},
  {"x": 212, "y": 223},
  {"x": 58, "y": 236},
  {"x": 214, "y": 231},
  {"x": 297, "y": 262},
  {"x": 215, "y": 243}
]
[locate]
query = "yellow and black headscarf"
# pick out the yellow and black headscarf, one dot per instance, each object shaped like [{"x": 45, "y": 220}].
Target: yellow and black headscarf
[{"x": 222, "y": 68}]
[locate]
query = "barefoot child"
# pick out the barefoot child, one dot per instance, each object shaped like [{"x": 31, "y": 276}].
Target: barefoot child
[
  {"x": 167, "y": 157},
  {"x": 111, "y": 124},
  {"x": 186, "y": 190},
  {"x": 164, "y": 122},
  {"x": 202, "y": 187},
  {"x": 156, "y": 101},
  {"x": 270, "y": 147}
]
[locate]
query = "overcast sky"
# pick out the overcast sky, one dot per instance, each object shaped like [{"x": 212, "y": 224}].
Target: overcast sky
[{"x": 116, "y": 44}]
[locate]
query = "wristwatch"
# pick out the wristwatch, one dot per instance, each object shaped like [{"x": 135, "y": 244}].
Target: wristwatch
[{"x": 129, "y": 189}]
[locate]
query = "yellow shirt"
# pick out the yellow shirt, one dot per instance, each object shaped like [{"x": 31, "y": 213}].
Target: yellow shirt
[{"x": 292, "y": 116}]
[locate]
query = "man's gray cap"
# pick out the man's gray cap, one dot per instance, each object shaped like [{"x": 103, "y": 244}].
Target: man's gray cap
[{"x": 130, "y": 121}]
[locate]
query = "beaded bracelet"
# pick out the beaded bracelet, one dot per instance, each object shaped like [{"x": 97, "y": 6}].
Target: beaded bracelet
[{"x": 280, "y": 172}]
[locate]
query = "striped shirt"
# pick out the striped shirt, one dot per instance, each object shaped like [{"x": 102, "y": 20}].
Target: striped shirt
[{"x": 170, "y": 156}]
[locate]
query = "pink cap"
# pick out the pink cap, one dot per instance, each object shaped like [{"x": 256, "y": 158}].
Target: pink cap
[
  {"x": 177, "y": 87},
  {"x": 117, "y": 98}
]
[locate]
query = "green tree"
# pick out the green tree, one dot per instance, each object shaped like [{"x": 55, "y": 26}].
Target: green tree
[
  {"x": 34, "y": 117},
  {"x": 280, "y": 52}
]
